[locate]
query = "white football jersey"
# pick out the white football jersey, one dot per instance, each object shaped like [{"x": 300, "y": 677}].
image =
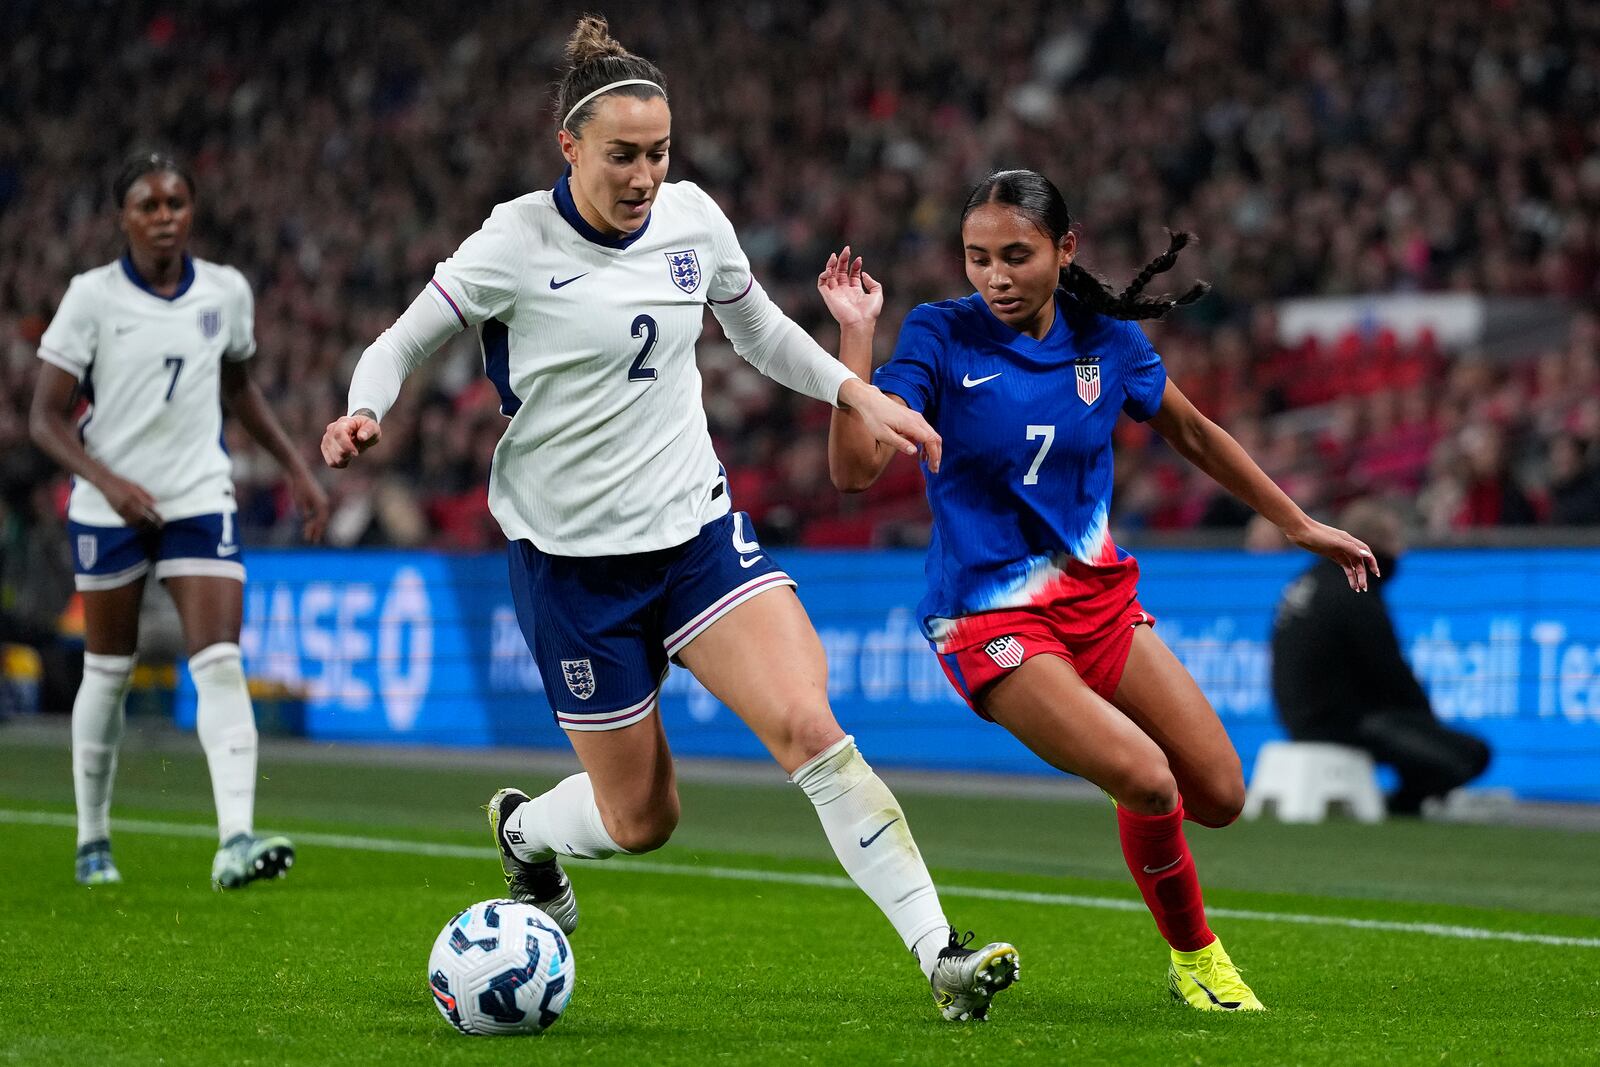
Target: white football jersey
[
  {"x": 150, "y": 367},
  {"x": 590, "y": 342}
]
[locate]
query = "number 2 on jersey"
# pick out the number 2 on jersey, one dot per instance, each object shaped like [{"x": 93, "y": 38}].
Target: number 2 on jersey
[
  {"x": 1034, "y": 433},
  {"x": 174, "y": 364},
  {"x": 643, "y": 326}
]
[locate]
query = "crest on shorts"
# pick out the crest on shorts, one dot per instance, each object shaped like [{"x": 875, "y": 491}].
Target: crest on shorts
[
  {"x": 88, "y": 550},
  {"x": 1006, "y": 651},
  {"x": 1088, "y": 376},
  {"x": 210, "y": 322},
  {"x": 579, "y": 674},
  {"x": 685, "y": 269}
]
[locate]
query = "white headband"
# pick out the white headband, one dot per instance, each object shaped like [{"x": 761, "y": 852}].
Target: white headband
[{"x": 607, "y": 89}]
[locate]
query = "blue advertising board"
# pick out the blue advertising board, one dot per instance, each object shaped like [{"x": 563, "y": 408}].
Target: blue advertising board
[{"x": 425, "y": 648}]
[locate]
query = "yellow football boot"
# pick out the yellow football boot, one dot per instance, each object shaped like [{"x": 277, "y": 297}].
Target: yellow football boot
[{"x": 1208, "y": 981}]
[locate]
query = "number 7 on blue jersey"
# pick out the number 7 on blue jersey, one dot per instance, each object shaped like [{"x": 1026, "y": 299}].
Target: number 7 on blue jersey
[{"x": 1034, "y": 433}]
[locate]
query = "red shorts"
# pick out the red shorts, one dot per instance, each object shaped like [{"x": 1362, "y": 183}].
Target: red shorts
[{"x": 1086, "y": 618}]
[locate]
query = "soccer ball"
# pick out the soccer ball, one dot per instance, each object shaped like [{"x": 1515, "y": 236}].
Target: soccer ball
[{"x": 501, "y": 967}]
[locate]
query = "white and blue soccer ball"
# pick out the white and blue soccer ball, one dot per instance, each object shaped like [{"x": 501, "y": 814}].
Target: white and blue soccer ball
[{"x": 501, "y": 967}]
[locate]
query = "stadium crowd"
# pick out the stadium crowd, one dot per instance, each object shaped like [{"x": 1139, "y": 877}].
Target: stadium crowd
[{"x": 1315, "y": 146}]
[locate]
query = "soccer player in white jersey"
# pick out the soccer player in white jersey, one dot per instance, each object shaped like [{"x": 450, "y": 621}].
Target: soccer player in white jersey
[
  {"x": 151, "y": 342},
  {"x": 625, "y": 551}
]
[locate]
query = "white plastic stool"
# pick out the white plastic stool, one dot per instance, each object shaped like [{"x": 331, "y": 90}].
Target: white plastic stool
[{"x": 1303, "y": 779}]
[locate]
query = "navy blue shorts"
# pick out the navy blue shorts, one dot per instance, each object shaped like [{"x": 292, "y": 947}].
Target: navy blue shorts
[
  {"x": 106, "y": 557},
  {"x": 603, "y": 628}
]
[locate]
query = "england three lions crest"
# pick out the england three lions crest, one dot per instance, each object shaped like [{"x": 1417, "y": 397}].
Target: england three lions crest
[
  {"x": 685, "y": 269},
  {"x": 210, "y": 322},
  {"x": 579, "y": 674},
  {"x": 1088, "y": 376}
]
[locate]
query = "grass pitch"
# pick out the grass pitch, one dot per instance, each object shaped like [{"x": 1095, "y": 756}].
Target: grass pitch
[{"x": 739, "y": 944}]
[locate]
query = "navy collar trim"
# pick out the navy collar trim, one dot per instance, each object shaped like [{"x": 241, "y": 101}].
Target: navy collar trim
[
  {"x": 569, "y": 211},
  {"x": 185, "y": 280}
]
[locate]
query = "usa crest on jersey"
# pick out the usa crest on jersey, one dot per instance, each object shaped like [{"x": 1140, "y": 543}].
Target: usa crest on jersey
[
  {"x": 88, "y": 550},
  {"x": 210, "y": 322},
  {"x": 1088, "y": 376},
  {"x": 685, "y": 269},
  {"x": 1006, "y": 651},
  {"x": 579, "y": 675}
]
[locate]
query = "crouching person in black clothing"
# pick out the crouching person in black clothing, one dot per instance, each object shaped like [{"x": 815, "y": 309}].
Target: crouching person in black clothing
[{"x": 1338, "y": 675}]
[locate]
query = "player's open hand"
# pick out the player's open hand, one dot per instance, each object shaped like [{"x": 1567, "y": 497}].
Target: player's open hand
[
  {"x": 133, "y": 503},
  {"x": 853, "y": 296},
  {"x": 891, "y": 422},
  {"x": 312, "y": 504},
  {"x": 1347, "y": 551},
  {"x": 347, "y": 437}
]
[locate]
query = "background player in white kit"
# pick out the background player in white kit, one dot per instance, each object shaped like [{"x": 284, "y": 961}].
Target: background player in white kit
[
  {"x": 151, "y": 341},
  {"x": 625, "y": 551}
]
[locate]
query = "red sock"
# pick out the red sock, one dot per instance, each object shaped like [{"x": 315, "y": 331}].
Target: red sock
[{"x": 1162, "y": 865}]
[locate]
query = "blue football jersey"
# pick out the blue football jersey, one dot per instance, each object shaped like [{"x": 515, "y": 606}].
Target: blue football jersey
[{"x": 1025, "y": 483}]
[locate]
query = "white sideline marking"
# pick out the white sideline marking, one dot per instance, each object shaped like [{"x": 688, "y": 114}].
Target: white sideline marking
[{"x": 824, "y": 881}]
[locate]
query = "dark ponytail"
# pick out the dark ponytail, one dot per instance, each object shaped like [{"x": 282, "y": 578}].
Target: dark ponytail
[
  {"x": 596, "y": 59},
  {"x": 1037, "y": 197}
]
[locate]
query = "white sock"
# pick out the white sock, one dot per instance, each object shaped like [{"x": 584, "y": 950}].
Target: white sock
[
  {"x": 869, "y": 834},
  {"x": 227, "y": 728},
  {"x": 564, "y": 821},
  {"x": 97, "y": 721}
]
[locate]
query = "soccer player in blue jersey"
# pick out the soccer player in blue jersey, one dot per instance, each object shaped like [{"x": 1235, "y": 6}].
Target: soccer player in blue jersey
[
  {"x": 1031, "y": 608},
  {"x": 153, "y": 342},
  {"x": 625, "y": 551}
]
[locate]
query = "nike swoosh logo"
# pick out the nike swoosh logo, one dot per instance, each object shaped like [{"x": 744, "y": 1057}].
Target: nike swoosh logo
[
  {"x": 748, "y": 563},
  {"x": 557, "y": 285},
  {"x": 969, "y": 381},
  {"x": 227, "y": 550},
  {"x": 127, "y": 327},
  {"x": 865, "y": 841},
  {"x": 1229, "y": 1004},
  {"x": 1168, "y": 867}
]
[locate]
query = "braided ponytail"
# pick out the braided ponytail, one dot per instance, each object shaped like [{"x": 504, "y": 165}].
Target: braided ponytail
[{"x": 1037, "y": 197}]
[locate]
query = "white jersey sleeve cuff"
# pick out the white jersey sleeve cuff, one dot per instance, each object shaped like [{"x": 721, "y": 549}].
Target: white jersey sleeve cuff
[{"x": 56, "y": 359}]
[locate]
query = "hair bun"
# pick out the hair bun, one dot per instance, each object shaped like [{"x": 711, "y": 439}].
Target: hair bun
[{"x": 591, "y": 40}]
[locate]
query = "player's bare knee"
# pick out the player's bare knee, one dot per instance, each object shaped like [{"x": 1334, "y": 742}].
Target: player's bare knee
[
  {"x": 1221, "y": 797},
  {"x": 1146, "y": 786},
  {"x": 804, "y": 731},
  {"x": 1218, "y": 805}
]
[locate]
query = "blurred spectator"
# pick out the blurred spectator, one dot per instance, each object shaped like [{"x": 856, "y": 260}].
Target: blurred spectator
[
  {"x": 1316, "y": 146},
  {"x": 1491, "y": 496},
  {"x": 1338, "y": 674},
  {"x": 1574, "y": 483},
  {"x": 36, "y": 585},
  {"x": 1262, "y": 535}
]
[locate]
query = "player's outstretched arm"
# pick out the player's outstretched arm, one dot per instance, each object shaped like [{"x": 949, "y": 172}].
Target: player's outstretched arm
[
  {"x": 243, "y": 397},
  {"x": 382, "y": 370},
  {"x": 868, "y": 426},
  {"x": 51, "y": 426},
  {"x": 1212, "y": 449}
]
